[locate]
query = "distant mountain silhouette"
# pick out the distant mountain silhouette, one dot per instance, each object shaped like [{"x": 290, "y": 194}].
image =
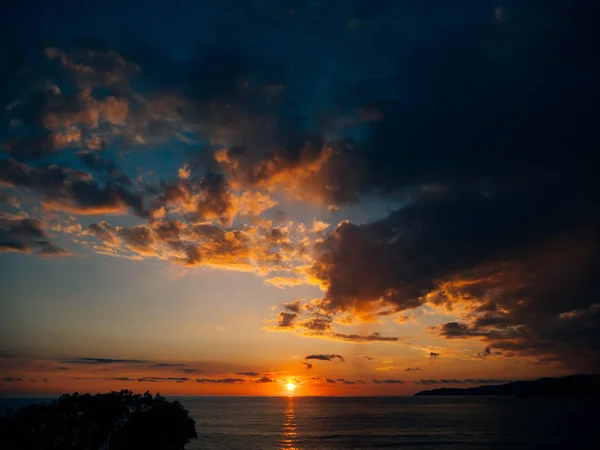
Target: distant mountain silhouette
[{"x": 581, "y": 386}]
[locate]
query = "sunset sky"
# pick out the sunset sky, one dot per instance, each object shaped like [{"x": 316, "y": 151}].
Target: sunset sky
[{"x": 357, "y": 197}]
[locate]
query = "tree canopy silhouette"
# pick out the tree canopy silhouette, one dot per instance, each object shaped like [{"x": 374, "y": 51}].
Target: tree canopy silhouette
[{"x": 112, "y": 421}]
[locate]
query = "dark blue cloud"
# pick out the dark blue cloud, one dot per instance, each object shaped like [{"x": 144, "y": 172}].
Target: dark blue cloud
[{"x": 101, "y": 361}]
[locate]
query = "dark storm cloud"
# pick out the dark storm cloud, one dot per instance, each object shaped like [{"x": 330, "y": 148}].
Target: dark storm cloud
[
  {"x": 503, "y": 195},
  {"x": 101, "y": 361},
  {"x": 330, "y": 357}
]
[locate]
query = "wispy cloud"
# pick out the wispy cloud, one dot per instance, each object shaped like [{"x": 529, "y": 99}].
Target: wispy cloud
[
  {"x": 388, "y": 381},
  {"x": 220, "y": 380},
  {"x": 101, "y": 361},
  {"x": 167, "y": 365},
  {"x": 13, "y": 379},
  {"x": 326, "y": 357}
]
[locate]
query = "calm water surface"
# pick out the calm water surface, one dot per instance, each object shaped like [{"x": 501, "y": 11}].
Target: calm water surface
[{"x": 230, "y": 423}]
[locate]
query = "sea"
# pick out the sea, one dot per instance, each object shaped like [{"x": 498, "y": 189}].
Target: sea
[{"x": 462, "y": 423}]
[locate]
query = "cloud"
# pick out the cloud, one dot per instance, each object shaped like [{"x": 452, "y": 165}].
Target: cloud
[
  {"x": 155, "y": 379},
  {"x": 489, "y": 214},
  {"x": 330, "y": 381},
  {"x": 373, "y": 337},
  {"x": 12, "y": 379},
  {"x": 166, "y": 365},
  {"x": 285, "y": 282},
  {"x": 433, "y": 355},
  {"x": 294, "y": 307},
  {"x": 19, "y": 234},
  {"x": 9, "y": 200},
  {"x": 342, "y": 380},
  {"x": 221, "y": 380},
  {"x": 487, "y": 352},
  {"x": 314, "y": 320},
  {"x": 285, "y": 319},
  {"x": 265, "y": 380},
  {"x": 388, "y": 381},
  {"x": 71, "y": 190},
  {"x": 48, "y": 249},
  {"x": 412, "y": 369},
  {"x": 101, "y": 361},
  {"x": 430, "y": 381},
  {"x": 453, "y": 330},
  {"x": 524, "y": 217},
  {"x": 368, "y": 358},
  {"x": 307, "y": 365},
  {"x": 330, "y": 357},
  {"x": 248, "y": 374}
]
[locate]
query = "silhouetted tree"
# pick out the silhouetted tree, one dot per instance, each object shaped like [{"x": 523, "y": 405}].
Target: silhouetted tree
[{"x": 113, "y": 421}]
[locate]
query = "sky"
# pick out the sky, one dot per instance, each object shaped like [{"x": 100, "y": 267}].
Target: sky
[{"x": 353, "y": 197}]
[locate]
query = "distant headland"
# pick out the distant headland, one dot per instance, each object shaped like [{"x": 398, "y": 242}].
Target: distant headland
[{"x": 579, "y": 386}]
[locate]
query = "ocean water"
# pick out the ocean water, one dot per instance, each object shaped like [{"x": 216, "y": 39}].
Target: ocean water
[{"x": 462, "y": 423}]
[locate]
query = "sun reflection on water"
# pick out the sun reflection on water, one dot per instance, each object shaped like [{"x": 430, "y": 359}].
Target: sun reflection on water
[{"x": 290, "y": 436}]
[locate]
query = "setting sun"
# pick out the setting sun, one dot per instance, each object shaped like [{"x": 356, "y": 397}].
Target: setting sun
[{"x": 291, "y": 387}]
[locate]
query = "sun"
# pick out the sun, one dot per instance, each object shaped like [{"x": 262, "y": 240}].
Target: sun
[{"x": 290, "y": 387}]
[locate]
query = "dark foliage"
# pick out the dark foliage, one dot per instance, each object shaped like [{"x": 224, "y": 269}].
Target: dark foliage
[{"x": 113, "y": 421}]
